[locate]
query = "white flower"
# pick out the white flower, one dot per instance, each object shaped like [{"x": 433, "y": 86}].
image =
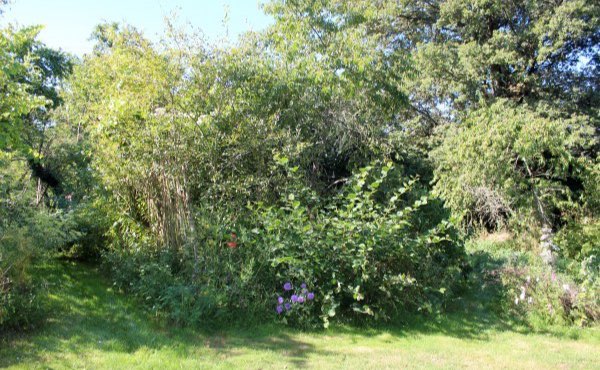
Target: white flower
[
  {"x": 566, "y": 287},
  {"x": 530, "y": 300},
  {"x": 522, "y": 296},
  {"x": 528, "y": 279},
  {"x": 516, "y": 300}
]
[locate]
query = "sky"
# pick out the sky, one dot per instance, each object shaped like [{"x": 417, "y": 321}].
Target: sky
[{"x": 69, "y": 23}]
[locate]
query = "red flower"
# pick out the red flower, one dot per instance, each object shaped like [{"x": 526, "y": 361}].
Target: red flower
[{"x": 233, "y": 242}]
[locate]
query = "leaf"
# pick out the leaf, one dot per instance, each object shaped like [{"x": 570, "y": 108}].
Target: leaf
[{"x": 281, "y": 160}]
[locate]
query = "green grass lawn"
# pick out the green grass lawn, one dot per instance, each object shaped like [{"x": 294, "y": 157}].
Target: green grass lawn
[{"x": 90, "y": 326}]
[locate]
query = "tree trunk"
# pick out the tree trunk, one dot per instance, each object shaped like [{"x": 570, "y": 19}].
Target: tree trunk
[{"x": 548, "y": 248}]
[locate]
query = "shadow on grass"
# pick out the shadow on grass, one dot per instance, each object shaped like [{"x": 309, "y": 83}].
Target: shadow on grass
[
  {"x": 85, "y": 314},
  {"x": 474, "y": 315}
]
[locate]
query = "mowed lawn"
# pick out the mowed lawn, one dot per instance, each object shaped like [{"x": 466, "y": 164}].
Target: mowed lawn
[{"x": 93, "y": 327}]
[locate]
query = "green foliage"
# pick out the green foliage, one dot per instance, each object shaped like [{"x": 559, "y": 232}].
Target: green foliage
[
  {"x": 19, "y": 304},
  {"x": 89, "y": 225},
  {"x": 521, "y": 51},
  {"x": 235, "y": 267},
  {"x": 169, "y": 161},
  {"x": 213, "y": 284},
  {"x": 22, "y": 247},
  {"x": 29, "y": 76},
  {"x": 505, "y": 161},
  {"x": 515, "y": 284},
  {"x": 16, "y": 188},
  {"x": 151, "y": 279},
  {"x": 181, "y": 138},
  {"x": 15, "y": 70},
  {"x": 177, "y": 170},
  {"x": 87, "y": 315},
  {"x": 580, "y": 240},
  {"x": 362, "y": 254},
  {"x": 547, "y": 297}
]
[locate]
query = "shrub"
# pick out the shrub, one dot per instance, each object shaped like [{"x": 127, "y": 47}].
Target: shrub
[
  {"x": 506, "y": 162},
  {"x": 538, "y": 294},
  {"x": 19, "y": 303},
  {"x": 579, "y": 240},
  {"x": 163, "y": 280},
  {"x": 23, "y": 243},
  {"x": 90, "y": 223},
  {"x": 365, "y": 256},
  {"x": 372, "y": 251}
]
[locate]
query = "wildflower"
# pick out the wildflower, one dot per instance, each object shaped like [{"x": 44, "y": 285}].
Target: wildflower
[
  {"x": 303, "y": 286},
  {"x": 517, "y": 301},
  {"x": 294, "y": 298},
  {"x": 528, "y": 279},
  {"x": 301, "y": 299},
  {"x": 279, "y": 309},
  {"x": 287, "y": 286},
  {"x": 522, "y": 296},
  {"x": 310, "y": 296},
  {"x": 530, "y": 300},
  {"x": 280, "y": 300},
  {"x": 233, "y": 242},
  {"x": 288, "y": 306},
  {"x": 566, "y": 287},
  {"x": 553, "y": 276}
]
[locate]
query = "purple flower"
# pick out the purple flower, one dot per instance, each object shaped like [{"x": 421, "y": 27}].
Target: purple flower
[
  {"x": 303, "y": 286},
  {"x": 310, "y": 296},
  {"x": 279, "y": 309},
  {"x": 294, "y": 298},
  {"x": 280, "y": 300},
  {"x": 301, "y": 299},
  {"x": 287, "y": 286},
  {"x": 288, "y": 306}
]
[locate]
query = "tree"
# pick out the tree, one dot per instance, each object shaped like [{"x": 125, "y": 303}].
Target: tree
[
  {"x": 31, "y": 74},
  {"x": 507, "y": 161},
  {"x": 29, "y": 77}
]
